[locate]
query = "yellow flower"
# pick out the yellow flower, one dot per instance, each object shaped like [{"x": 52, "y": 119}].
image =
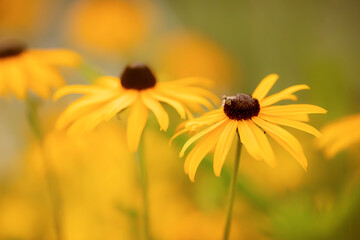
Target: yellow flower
[
  {"x": 108, "y": 25},
  {"x": 253, "y": 117},
  {"x": 22, "y": 69},
  {"x": 138, "y": 89},
  {"x": 340, "y": 135},
  {"x": 207, "y": 58}
]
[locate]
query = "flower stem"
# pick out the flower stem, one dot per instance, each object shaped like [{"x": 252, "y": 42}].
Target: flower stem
[
  {"x": 144, "y": 189},
  {"x": 232, "y": 191},
  {"x": 51, "y": 182}
]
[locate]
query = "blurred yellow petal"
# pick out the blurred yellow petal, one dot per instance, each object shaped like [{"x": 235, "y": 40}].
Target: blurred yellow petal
[
  {"x": 108, "y": 82},
  {"x": 81, "y": 89},
  {"x": 158, "y": 110},
  {"x": 190, "y": 81},
  {"x": 341, "y": 134},
  {"x": 264, "y": 86},
  {"x": 81, "y": 107},
  {"x": 16, "y": 79},
  {"x": 135, "y": 124},
  {"x": 175, "y": 104},
  {"x": 181, "y": 95},
  {"x": 223, "y": 146}
]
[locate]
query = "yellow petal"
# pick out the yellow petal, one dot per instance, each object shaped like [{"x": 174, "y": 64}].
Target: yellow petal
[
  {"x": 175, "y": 104},
  {"x": 284, "y": 94},
  {"x": 297, "y": 117},
  {"x": 158, "y": 110},
  {"x": 182, "y": 96},
  {"x": 339, "y": 128},
  {"x": 57, "y": 57},
  {"x": 197, "y": 154},
  {"x": 108, "y": 82},
  {"x": 260, "y": 136},
  {"x": 83, "y": 89},
  {"x": 292, "y": 109},
  {"x": 343, "y": 142},
  {"x": 285, "y": 139},
  {"x": 191, "y": 81},
  {"x": 81, "y": 107},
  {"x": 223, "y": 146},
  {"x": 249, "y": 140},
  {"x": 36, "y": 80},
  {"x": 208, "y": 118},
  {"x": 291, "y": 123},
  {"x": 264, "y": 87},
  {"x": 135, "y": 124},
  {"x": 46, "y": 71},
  {"x": 199, "y": 135},
  {"x": 120, "y": 103},
  {"x": 16, "y": 79}
]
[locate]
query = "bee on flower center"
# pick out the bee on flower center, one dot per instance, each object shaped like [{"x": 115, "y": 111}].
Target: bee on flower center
[
  {"x": 241, "y": 106},
  {"x": 10, "y": 48},
  {"x": 137, "y": 76}
]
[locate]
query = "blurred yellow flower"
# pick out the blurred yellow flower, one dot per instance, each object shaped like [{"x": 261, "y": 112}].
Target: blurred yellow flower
[
  {"x": 22, "y": 15},
  {"x": 94, "y": 179},
  {"x": 253, "y": 117},
  {"x": 18, "y": 218},
  {"x": 340, "y": 135},
  {"x": 198, "y": 56},
  {"x": 109, "y": 25},
  {"x": 137, "y": 89},
  {"x": 22, "y": 69}
]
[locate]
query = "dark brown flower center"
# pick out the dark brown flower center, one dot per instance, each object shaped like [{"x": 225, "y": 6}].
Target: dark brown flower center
[
  {"x": 137, "y": 76},
  {"x": 241, "y": 106},
  {"x": 10, "y": 48}
]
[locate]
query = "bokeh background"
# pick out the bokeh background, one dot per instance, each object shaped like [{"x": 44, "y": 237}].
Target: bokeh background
[{"x": 235, "y": 43}]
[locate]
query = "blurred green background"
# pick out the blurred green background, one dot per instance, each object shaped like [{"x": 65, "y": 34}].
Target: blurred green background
[{"x": 236, "y": 43}]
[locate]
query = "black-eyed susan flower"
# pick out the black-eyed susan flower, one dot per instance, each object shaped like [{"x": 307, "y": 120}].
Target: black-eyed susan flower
[
  {"x": 36, "y": 69},
  {"x": 341, "y": 134},
  {"x": 136, "y": 89},
  {"x": 253, "y": 117}
]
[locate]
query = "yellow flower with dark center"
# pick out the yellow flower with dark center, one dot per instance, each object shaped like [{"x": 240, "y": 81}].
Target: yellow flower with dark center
[
  {"x": 340, "y": 135},
  {"x": 138, "y": 89},
  {"x": 254, "y": 118},
  {"x": 22, "y": 69}
]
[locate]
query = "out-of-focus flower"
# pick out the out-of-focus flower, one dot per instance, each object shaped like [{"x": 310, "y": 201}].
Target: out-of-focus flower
[
  {"x": 109, "y": 25},
  {"x": 97, "y": 182},
  {"x": 253, "y": 117},
  {"x": 21, "y": 15},
  {"x": 18, "y": 218},
  {"x": 36, "y": 69},
  {"x": 198, "y": 57},
  {"x": 137, "y": 89},
  {"x": 340, "y": 135}
]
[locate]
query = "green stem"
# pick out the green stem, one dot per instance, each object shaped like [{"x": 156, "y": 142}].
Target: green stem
[
  {"x": 232, "y": 191},
  {"x": 51, "y": 182},
  {"x": 144, "y": 190}
]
